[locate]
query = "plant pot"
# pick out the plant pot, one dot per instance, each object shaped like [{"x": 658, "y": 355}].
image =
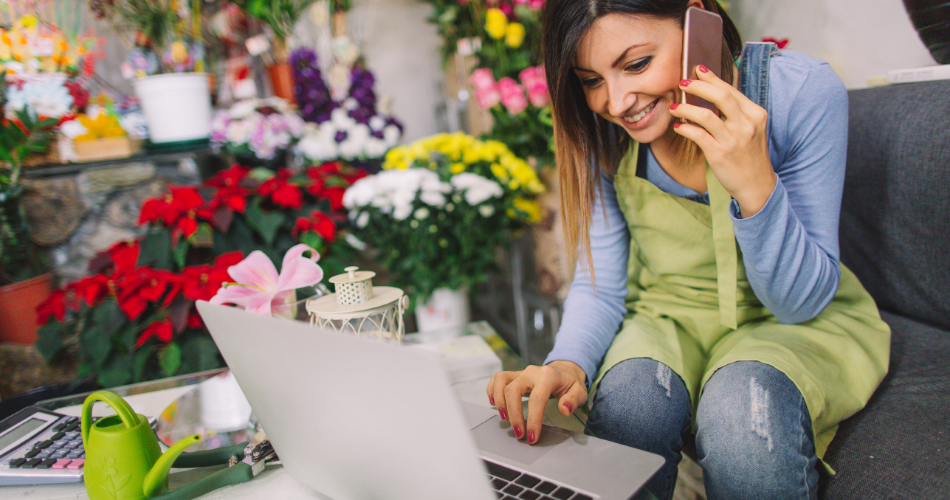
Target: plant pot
[
  {"x": 931, "y": 19},
  {"x": 282, "y": 80},
  {"x": 446, "y": 308},
  {"x": 18, "y": 303},
  {"x": 177, "y": 106}
]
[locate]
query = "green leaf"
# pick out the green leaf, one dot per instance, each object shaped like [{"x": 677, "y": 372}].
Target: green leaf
[
  {"x": 170, "y": 358},
  {"x": 199, "y": 354},
  {"x": 180, "y": 253},
  {"x": 156, "y": 250},
  {"x": 202, "y": 237},
  {"x": 108, "y": 317},
  {"x": 265, "y": 223},
  {"x": 95, "y": 345},
  {"x": 313, "y": 240},
  {"x": 117, "y": 372},
  {"x": 50, "y": 339},
  {"x": 142, "y": 357}
]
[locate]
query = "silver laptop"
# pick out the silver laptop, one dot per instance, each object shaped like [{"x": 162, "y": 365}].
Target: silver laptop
[{"x": 359, "y": 419}]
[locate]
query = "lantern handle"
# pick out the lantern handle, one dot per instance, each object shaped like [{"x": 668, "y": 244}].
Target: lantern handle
[{"x": 351, "y": 271}]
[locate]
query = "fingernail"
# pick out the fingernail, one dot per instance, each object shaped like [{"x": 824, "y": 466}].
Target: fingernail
[
  {"x": 702, "y": 69},
  {"x": 503, "y": 413},
  {"x": 674, "y": 106},
  {"x": 570, "y": 407},
  {"x": 491, "y": 400},
  {"x": 684, "y": 83},
  {"x": 518, "y": 432},
  {"x": 677, "y": 125},
  {"x": 530, "y": 436}
]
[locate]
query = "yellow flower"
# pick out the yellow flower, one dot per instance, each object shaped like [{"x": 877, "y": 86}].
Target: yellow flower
[
  {"x": 103, "y": 125},
  {"x": 457, "y": 168},
  {"x": 530, "y": 208},
  {"x": 514, "y": 35},
  {"x": 496, "y": 23}
]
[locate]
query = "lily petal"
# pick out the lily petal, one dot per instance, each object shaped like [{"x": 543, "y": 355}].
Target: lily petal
[
  {"x": 256, "y": 270},
  {"x": 298, "y": 250},
  {"x": 241, "y": 296},
  {"x": 299, "y": 272}
]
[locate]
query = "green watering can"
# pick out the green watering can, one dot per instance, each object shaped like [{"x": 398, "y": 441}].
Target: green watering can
[{"x": 123, "y": 460}]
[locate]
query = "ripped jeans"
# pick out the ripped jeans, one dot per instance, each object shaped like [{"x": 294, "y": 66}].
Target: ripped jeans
[{"x": 753, "y": 431}]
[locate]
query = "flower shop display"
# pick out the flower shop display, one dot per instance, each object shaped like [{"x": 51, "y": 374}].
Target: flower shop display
[
  {"x": 165, "y": 63},
  {"x": 24, "y": 280},
  {"x": 134, "y": 319},
  {"x": 440, "y": 209},
  {"x": 352, "y": 130},
  {"x": 358, "y": 308},
  {"x": 258, "y": 131}
]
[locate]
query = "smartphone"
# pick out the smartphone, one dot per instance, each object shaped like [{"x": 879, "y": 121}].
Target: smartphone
[{"x": 702, "y": 44}]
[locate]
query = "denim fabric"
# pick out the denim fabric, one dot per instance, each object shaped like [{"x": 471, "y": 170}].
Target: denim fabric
[
  {"x": 755, "y": 62},
  {"x": 754, "y": 434}
]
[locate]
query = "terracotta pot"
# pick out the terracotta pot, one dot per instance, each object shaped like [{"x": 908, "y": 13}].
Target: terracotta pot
[
  {"x": 18, "y": 303},
  {"x": 282, "y": 80}
]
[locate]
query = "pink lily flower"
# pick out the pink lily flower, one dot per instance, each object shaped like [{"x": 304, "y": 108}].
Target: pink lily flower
[{"x": 258, "y": 287}]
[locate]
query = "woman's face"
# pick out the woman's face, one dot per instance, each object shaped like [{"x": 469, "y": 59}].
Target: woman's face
[{"x": 629, "y": 68}]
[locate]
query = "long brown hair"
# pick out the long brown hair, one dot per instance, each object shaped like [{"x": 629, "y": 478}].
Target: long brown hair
[{"x": 586, "y": 145}]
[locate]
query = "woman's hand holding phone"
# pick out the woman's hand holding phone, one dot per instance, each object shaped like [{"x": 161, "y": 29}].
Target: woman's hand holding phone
[
  {"x": 735, "y": 144},
  {"x": 563, "y": 380}
]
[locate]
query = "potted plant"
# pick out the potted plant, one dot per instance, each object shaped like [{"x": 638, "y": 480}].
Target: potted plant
[
  {"x": 438, "y": 212},
  {"x": 280, "y": 16},
  {"x": 166, "y": 63},
  {"x": 24, "y": 276}
]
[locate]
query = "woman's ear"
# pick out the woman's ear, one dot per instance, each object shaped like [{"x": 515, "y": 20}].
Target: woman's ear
[{"x": 697, "y": 4}]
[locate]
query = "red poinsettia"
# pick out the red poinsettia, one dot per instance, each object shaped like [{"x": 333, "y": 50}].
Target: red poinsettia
[
  {"x": 335, "y": 196},
  {"x": 281, "y": 191},
  {"x": 92, "y": 289},
  {"x": 124, "y": 256},
  {"x": 143, "y": 287},
  {"x": 229, "y": 178},
  {"x": 319, "y": 223},
  {"x": 161, "y": 329},
  {"x": 178, "y": 210},
  {"x": 203, "y": 281},
  {"x": 54, "y": 305}
]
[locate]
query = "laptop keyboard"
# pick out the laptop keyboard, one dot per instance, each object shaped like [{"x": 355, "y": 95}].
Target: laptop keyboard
[{"x": 510, "y": 484}]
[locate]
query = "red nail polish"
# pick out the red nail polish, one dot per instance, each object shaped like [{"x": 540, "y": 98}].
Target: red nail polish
[
  {"x": 491, "y": 400},
  {"x": 702, "y": 69},
  {"x": 518, "y": 432},
  {"x": 674, "y": 106},
  {"x": 530, "y": 436},
  {"x": 684, "y": 83},
  {"x": 677, "y": 125},
  {"x": 570, "y": 407},
  {"x": 503, "y": 413}
]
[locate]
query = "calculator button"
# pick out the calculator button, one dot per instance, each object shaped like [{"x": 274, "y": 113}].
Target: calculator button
[
  {"x": 32, "y": 453},
  {"x": 74, "y": 455},
  {"x": 59, "y": 454},
  {"x": 43, "y": 454},
  {"x": 76, "y": 464},
  {"x": 58, "y": 435},
  {"x": 72, "y": 420},
  {"x": 31, "y": 463},
  {"x": 46, "y": 464},
  {"x": 60, "y": 426},
  {"x": 43, "y": 444},
  {"x": 61, "y": 463},
  {"x": 72, "y": 434},
  {"x": 16, "y": 463}
]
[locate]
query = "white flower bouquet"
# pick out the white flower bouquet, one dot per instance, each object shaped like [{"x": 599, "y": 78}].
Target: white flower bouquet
[
  {"x": 441, "y": 208},
  {"x": 343, "y": 137},
  {"x": 261, "y": 128}
]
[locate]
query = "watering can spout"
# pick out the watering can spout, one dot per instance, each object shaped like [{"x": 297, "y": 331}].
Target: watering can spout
[{"x": 156, "y": 478}]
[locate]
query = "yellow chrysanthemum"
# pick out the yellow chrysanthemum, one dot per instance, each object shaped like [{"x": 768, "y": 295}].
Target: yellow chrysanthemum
[
  {"x": 457, "y": 168},
  {"x": 514, "y": 35},
  {"x": 530, "y": 208},
  {"x": 496, "y": 23}
]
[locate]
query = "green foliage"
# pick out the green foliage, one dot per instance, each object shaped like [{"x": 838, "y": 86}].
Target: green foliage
[{"x": 279, "y": 15}]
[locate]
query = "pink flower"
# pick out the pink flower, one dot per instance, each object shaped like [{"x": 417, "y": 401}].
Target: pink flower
[
  {"x": 521, "y": 2},
  {"x": 536, "y": 4},
  {"x": 512, "y": 95},
  {"x": 482, "y": 79},
  {"x": 507, "y": 9},
  {"x": 487, "y": 98},
  {"x": 258, "y": 287}
]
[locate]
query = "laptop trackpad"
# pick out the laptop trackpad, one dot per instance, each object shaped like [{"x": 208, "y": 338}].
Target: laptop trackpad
[{"x": 496, "y": 436}]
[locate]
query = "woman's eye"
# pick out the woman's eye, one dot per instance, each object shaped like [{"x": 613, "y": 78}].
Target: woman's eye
[
  {"x": 640, "y": 65},
  {"x": 590, "y": 82}
]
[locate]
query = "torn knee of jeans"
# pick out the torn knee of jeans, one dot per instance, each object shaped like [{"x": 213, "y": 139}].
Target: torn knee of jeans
[
  {"x": 664, "y": 377},
  {"x": 759, "y": 411}
]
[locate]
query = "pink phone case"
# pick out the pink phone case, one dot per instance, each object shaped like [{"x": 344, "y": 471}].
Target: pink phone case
[{"x": 702, "y": 44}]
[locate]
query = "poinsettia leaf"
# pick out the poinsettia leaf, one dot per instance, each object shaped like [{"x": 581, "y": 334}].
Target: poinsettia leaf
[
  {"x": 49, "y": 339},
  {"x": 178, "y": 313},
  {"x": 202, "y": 237},
  {"x": 180, "y": 253},
  {"x": 169, "y": 357},
  {"x": 156, "y": 250},
  {"x": 199, "y": 354},
  {"x": 109, "y": 317},
  {"x": 142, "y": 357},
  {"x": 260, "y": 174},
  {"x": 313, "y": 240},
  {"x": 265, "y": 223},
  {"x": 117, "y": 372},
  {"x": 222, "y": 217},
  {"x": 95, "y": 345}
]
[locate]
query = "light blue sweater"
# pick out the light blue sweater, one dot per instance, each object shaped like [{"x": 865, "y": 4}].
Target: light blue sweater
[{"x": 790, "y": 247}]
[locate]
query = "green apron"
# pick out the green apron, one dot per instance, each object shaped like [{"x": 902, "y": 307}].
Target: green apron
[{"x": 691, "y": 307}]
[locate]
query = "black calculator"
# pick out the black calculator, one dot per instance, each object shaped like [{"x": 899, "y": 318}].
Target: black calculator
[{"x": 40, "y": 447}]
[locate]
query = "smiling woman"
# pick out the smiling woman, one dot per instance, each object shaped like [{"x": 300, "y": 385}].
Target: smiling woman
[{"x": 761, "y": 352}]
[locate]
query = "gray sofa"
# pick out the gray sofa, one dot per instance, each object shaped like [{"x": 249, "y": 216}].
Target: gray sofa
[{"x": 895, "y": 235}]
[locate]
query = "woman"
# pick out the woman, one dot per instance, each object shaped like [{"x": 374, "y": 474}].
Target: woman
[{"x": 669, "y": 330}]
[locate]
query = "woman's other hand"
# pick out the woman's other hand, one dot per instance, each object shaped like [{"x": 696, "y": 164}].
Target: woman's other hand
[
  {"x": 735, "y": 145},
  {"x": 563, "y": 380}
]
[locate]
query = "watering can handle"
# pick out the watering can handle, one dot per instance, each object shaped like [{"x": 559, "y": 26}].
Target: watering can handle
[{"x": 112, "y": 399}]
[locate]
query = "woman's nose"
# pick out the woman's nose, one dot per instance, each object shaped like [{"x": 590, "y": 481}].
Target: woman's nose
[{"x": 619, "y": 100}]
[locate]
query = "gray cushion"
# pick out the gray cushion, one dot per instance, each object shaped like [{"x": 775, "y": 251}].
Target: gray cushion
[
  {"x": 899, "y": 445},
  {"x": 895, "y": 218}
]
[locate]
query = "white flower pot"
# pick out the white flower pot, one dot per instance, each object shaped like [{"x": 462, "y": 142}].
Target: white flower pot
[
  {"x": 177, "y": 106},
  {"x": 446, "y": 308}
]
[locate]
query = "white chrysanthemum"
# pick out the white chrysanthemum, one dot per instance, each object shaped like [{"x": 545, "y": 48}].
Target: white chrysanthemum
[
  {"x": 242, "y": 109},
  {"x": 477, "y": 189},
  {"x": 486, "y": 210},
  {"x": 377, "y": 123},
  {"x": 341, "y": 120},
  {"x": 421, "y": 213},
  {"x": 433, "y": 198},
  {"x": 350, "y": 104},
  {"x": 362, "y": 220},
  {"x": 375, "y": 148},
  {"x": 391, "y": 135}
]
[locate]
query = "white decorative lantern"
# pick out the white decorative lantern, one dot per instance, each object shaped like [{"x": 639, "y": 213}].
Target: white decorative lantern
[{"x": 359, "y": 308}]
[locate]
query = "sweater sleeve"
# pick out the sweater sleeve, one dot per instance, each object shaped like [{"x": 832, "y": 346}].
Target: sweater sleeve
[
  {"x": 790, "y": 247},
  {"x": 592, "y": 314}
]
